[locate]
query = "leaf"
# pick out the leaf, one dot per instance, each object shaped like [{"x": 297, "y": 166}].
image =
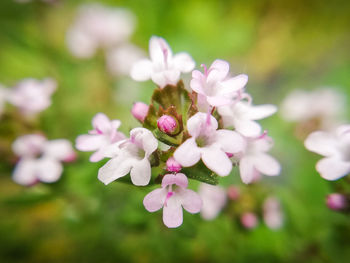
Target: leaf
[{"x": 201, "y": 173}]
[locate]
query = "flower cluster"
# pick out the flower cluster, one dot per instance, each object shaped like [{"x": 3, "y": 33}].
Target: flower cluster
[{"x": 199, "y": 134}]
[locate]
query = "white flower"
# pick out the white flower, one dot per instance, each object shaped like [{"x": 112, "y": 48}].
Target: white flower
[
  {"x": 162, "y": 67},
  {"x": 254, "y": 160},
  {"x": 209, "y": 144},
  {"x": 273, "y": 216},
  {"x": 130, "y": 155},
  {"x": 214, "y": 199},
  {"x": 336, "y": 149},
  {"x": 242, "y": 115}
]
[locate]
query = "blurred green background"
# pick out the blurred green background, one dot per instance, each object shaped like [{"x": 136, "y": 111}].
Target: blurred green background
[{"x": 281, "y": 45}]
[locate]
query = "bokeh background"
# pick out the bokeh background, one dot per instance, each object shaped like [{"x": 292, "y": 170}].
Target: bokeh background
[{"x": 281, "y": 45}]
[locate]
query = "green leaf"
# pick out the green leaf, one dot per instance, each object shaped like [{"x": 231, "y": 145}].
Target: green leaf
[{"x": 201, "y": 173}]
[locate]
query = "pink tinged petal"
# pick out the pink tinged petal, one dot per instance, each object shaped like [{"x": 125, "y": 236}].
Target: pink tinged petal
[
  {"x": 60, "y": 149},
  {"x": 87, "y": 143},
  {"x": 155, "y": 199},
  {"x": 172, "y": 212},
  {"x": 188, "y": 153},
  {"x": 28, "y": 145},
  {"x": 24, "y": 172},
  {"x": 259, "y": 112},
  {"x": 190, "y": 200},
  {"x": 142, "y": 70},
  {"x": 322, "y": 143},
  {"x": 183, "y": 62},
  {"x": 217, "y": 101},
  {"x": 179, "y": 179},
  {"x": 230, "y": 141},
  {"x": 197, "y": 122},
  {"x": 332, "y": 168},
  {"x": 247, "y": 170},
  {"x": 97, "y": 156},
  {"x": 141, "y": 172},
  {"x": 233, "y": 84},
  {"x": 216, "y": 160},
  {"x": 145, "y": 139},
  {"x": 49, "y": 170},
  {"x": 158, "y": 49},
  {"x": 114, "y": 169},
  {"x": 218, "y": 70},
  {"x": 343, "y": 130},
  {"x": 101, "y": 123},
  {"x": 166, "y": 77},
  {"x": 267, "y": 165},
  {"x": 115, "y": 124},
  {"x": 197, "y": 85},
  {"x": 247, "y": 128}
]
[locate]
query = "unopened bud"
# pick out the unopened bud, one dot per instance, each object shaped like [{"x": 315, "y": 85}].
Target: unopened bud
[
  {"x": 336, "y": 201},
  {"x": 139, "y": 111},
  {"x": 249, "y": 220},
  {"x": 233, "y": 192},
  {"x": 167, "y": 124},
  {"x": 172, "y": 165}
]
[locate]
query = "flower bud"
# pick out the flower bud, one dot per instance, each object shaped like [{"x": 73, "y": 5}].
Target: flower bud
[
  {"x": 172, "y": 165},
  {"x": 233, "y": 193},
  {"x": 249, "y": 220},
  {"x": 167, "y": 124},
  {"x": 139, "y": 111},
  {"x": 336, "y": 201}
]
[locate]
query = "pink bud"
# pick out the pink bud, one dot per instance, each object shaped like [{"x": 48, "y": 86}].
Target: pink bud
[
  {"x": 249, "y": 220},
  {"x": 139, "y": 111},
  {"x": 172, "y": 165},
  {"x": 167, "y": 124},
  {"x": 336, "y": 201},
  {"x": 233, "y": 192}
]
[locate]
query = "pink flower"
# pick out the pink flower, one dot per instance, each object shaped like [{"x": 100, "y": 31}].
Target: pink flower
[
  {"x": 214, "y": 199},
  {"x": 162, "y": 67},
  {"x": 139, "y": 111},
  {"x": 272, "y": 213},
  {"x": 336, "y": 149},
  {"x": 254, "y": 160},
  {"x": 98, "y": 26},
  {"x": 209, "y": 144},
  {"x": 40, "y": 159},
  {"x": 336, "y": 201},
  {"x": 167, "y": 124},
  {"x": 242, "y": 115},
  {"x": 130, "y": 155},
  {"x": 172, "y": 197},
  {"x": 215, "y": 85},
  {"x": 249, "y": 220},
  {"x": 32, "y": 96},
  {"x": 103, "y": 135},
  {"x": 172, "y": 165}
]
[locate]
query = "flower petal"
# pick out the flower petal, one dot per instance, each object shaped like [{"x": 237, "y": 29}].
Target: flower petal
[
  {"x": 101, "y": 123},
  {"x": 190, "y": 200},
  {"x": 179, "y": 179},
  {"x": 48, "y": 170},
  {"x": 142, "y": 70},
  {"x": 60, "y": 149},
  {"x": 217, "y": 101},
  {"x": 188, "y": 153},
  {"x": 172, "y": 212},
  {"x": 141, "y": 172},
  {"x": 158, "y": 49},
  {"x": 332, "y": 168},
  {"x": 144, "y": 139},
  {"x": 229, "y": 141},
  {"x": 183, "y": 62},
  {"x": 234, "y": 84},
  {"x": 266, "y": 164},
  {"x": 247, "y": 128},
  {"x": 87, "y": 143},
  {"x": 166, "y": 77},
  {"x": 218, "y": 70},
  {"x": 155, "y": 199},
  {"x": 114, "y": 169},
  {"x": 321, "y": 142},
  {"x": 28, "y": 145},
  {"x": 197, "y": 122},
  {"x": 260, "y": 112},
  {"x": 24, "y": 172},
  {"x": 216, "y": 160},
  {"x": 247, "y": 170}
]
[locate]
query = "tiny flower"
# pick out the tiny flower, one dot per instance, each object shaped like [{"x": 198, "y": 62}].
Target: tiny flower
[
  {"x": 272, "y": 213},
  {"x": 40, "y": 159},
  {"x": 139, "y": 111},
  {"x": 233, "y": 192},
  {"x": 172, "y": 165},
  {"x": 215, "y": 86},
  {"x": 249, "y": 220},
  {"x": 172, "y": 197},
  {"x": 98, "y": 26},
  {"x": 336, "y": 149},
  {"x": 103, "y": 135},
  {"x": 130, "y": 155},
  {"x": 242, "y": 115},
  {"x": 336, "y": 201},
  {"x": 32, "y": 96},
  {"x": 209, "y": 144},
  {"x": 254, "y": 160},
  {"x": 214, "y": 199},
  {"x": 162, "y": 67},
  {"x": 167, "y": 124}
]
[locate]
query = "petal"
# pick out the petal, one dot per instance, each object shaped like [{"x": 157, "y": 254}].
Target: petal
[
  {"x": 141, "y": 172},
  {"x": 158, "y": 49},
  {"x": 247, "y": 128},
  {"x": 101, "y": 123},
  {"x": 190, "y": 200},
  {"x": 322, "y": 143},
  {"x": 97, "y": 156},
  {"x": 49, "y": 170},
  {"x": 216, "y": 160},
  {"x": 28, "y": 145},
  {"x": 247, "y": 170},
  {"x": 183, "y": 62},
  {"x": 166, "y": 77},
  {"x": 60, "y": 149},
  {"x": 260, "y": 112},
  {"x": 87, "y": 143},
  {"x": 172, "y": 212},
  {"x": 197, "y": 82},
  {"x": 229, "y": 141},
  {"x": 144, "y": 139},
  {"x": 24, "y": 172},
  {"x": 179, "y": 179},
  {"x": 214, "y": 199},
  {"x": 233, "y": 84},
  {"x": 142, "y": 70},
  {"x": 266, "y": 164},
  {"x": 188, "y": 153},
  {"x": 217, "y": 101},
  {"x": 114, "y": 169},
  {"x": 332, "y": 168},
  {"x": 197, "y": 122},
  {"x": 155, "y": 199},
  {"x": 218, "y": 70}
]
